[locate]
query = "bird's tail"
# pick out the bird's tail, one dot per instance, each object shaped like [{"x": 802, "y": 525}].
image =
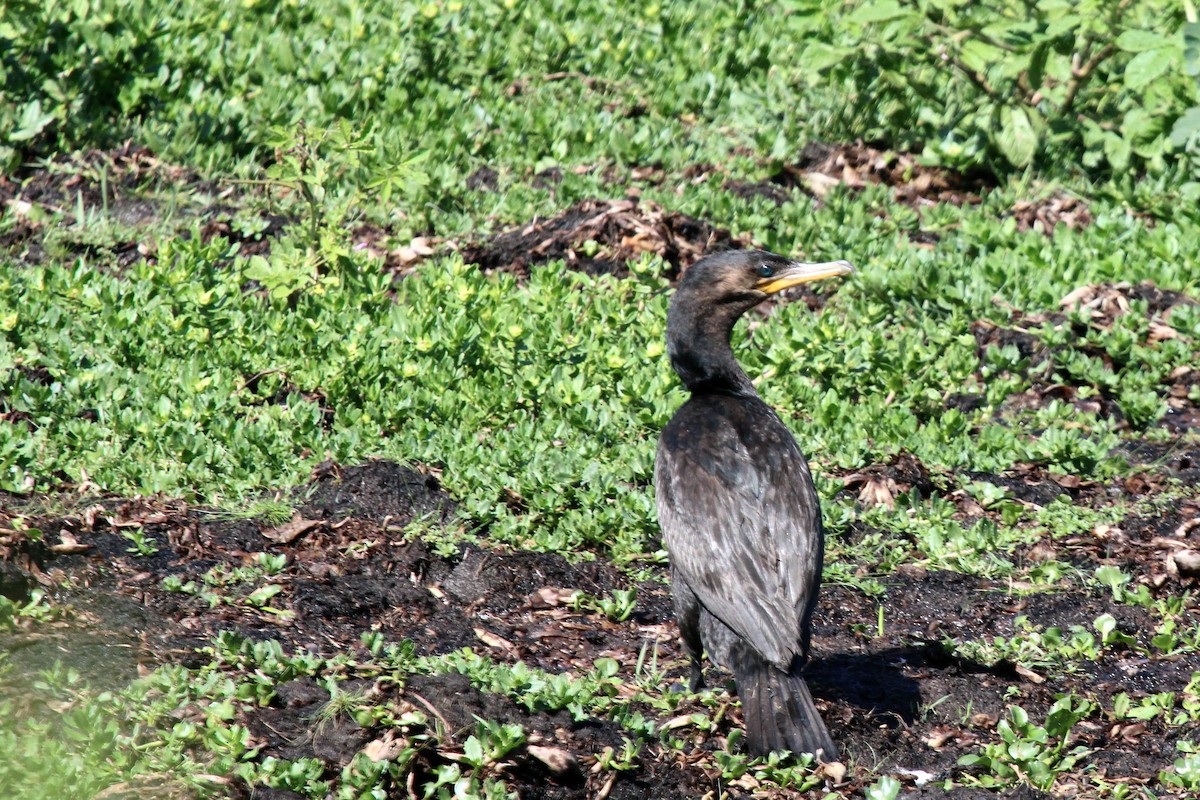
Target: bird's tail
[{"x": 778, "y": 709}]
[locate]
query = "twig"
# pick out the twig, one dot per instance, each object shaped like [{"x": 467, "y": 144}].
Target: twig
[
  {"x": 256, "y": 377},
  {"x": 1080, "y": 76},
  {"x": 976, "y": 78},
  {"x": 1081, "y": 73}
]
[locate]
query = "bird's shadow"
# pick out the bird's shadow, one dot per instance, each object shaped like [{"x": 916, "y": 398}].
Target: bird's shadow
[{"x": 872, "y": 681}]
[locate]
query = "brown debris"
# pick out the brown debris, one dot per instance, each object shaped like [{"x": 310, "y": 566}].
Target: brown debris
[
  {"x": 1095, "y": 306},
  {"x": 1046, "y": 214},
  {"x": 879, "y": 484},
  {"x": 1102, "y": 303},
  {"x": 600, "y": 236},
  {"x": 822, "y": 167},
  {"x": 290, "y": 531},
  {"x": 560, "y": 762},
  {"x": 552, "y": 597},
  {"x": 69, "y": 545},
  {"x": 386, "y": 747},
  {"x": 496, "y": 642},
  {"x": 1187, "y": 562}
]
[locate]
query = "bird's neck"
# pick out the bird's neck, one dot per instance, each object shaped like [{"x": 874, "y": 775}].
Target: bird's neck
[{"x": 698, "y": 344}]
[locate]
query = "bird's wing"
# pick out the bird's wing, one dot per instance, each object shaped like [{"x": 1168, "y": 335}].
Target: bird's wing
[{"x": 741, "y": 521}]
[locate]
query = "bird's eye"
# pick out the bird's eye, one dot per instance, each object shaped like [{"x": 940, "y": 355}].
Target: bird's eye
[{"x": 766, "y": 271}]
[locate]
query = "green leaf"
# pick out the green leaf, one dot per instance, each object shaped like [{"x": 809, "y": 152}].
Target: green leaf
[
  {"x": 880, "y": 11},
  {"x": 1023, "y": 751},
  {"x": 820, "y": 56},
  {"x": 1062, "y": 25},
  {"x": 262, "y": 595},
  {"x": 1148, "y": 65},
  {"x": 32, "y": 122},
  {"x": 1191, "y": 48},
  {"x": 473, "y": 751},
  {"x": 1135, "y": 41},
  {"x": 1118, "y": 150},
  {"x": 886, "y": 788},
  {"x": 979, "y": 55},
  {"x": 1037, "y": 64},
  {"x": 1139, "y": 125},
  {"x": 1186, "y": 127},
  {"x": 1018, "y": 140}
]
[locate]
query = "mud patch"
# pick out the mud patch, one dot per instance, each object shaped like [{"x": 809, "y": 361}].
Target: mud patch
[
  {"x": 898, "y": 697},
  {"x": 96, "y": 178}
]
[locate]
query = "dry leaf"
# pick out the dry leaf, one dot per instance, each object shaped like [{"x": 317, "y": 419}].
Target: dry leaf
[
  {"x": 1066, "y": 481},
  {"x": 385, "y": 748},
  {"x": 552, "y": 596},
  {"x": 1160, "y": 332},
  {"x": 681, "y": 721},
  {"x": 558, "y": 761},
  {"x": 1187, "y": 527},
  {"x": 498, "y": 642},
  {"x": 1042, "y": 552},
  {"x": 1028, "y": 674},
  {"x": 938, "y": 737},
  {"x": 90, "y": 515},
  {"x": 289, "y": 532},
  {"x": 1130, "y": 733},
  {"x": 68, "y": 545}
]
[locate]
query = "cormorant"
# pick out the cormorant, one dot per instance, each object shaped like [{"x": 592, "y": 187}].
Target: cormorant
[{"x": 737, "y": 506}]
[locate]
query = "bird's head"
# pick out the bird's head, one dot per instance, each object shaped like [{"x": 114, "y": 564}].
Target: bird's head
[
  {"x": 744, "y": 278},
  {"x": 714, "y": 292}
]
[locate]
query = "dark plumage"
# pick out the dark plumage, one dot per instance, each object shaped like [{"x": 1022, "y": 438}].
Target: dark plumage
[{"x": 737, "y": 506}]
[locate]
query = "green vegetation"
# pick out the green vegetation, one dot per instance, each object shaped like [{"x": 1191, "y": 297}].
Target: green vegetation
[
  {"x": 1030, "y": 752},
  {"x": 222, "y": 368},
  {"x": 1089, "y": 84},
  {"x": 563, "y": 378}
]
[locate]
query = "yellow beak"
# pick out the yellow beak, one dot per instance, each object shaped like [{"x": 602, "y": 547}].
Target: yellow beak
[{"x": 802, "y": 272}]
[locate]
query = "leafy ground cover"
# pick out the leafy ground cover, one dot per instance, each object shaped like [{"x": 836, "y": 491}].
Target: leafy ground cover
[{"x": 326, "y": 449}]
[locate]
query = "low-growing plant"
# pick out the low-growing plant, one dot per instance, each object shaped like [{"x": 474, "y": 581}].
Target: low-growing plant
[
  {"x": 490, "y": 743},
  {"x": 141, "y": 543},
  {"x": 618, "y": 607},
  {"x": 38, "y": 608},
  {"x": 1028, "y": 752},
  {"x": 886, "y": 788},
  {"x": 610, "y": 759},
  {"x": 1041, "y": 649},
  {"x": 1185, "y": 772}
]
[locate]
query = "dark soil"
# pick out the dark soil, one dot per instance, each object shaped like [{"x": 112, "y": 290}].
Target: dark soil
[
  {"x": 97, "y": 178},
  {"x": 130, "y": 191},
  {"x": 896, "y": 700}
]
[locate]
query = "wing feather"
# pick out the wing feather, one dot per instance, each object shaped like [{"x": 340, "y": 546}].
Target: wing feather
[{"x": 741, "y": 520}]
